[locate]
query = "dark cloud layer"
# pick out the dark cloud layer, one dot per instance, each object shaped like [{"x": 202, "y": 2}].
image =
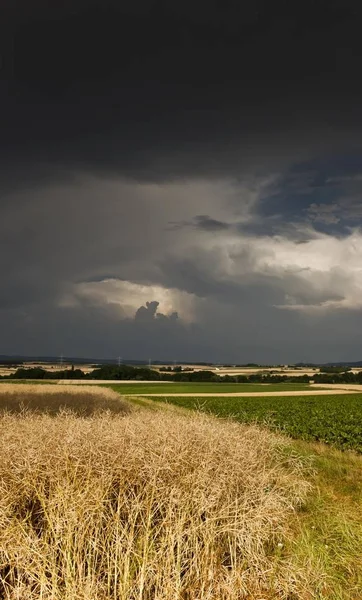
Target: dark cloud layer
[
  {"x": 157, "y": 89},
  {"x": 181, "y": 179}
]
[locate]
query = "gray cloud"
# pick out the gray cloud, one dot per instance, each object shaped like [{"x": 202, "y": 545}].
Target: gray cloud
[
  {"x": 78, "y": 270},
  {"x": 203, "y": 223},
  {"x": 148, "y": 313},
  {"x": 160, "y": 91},
  {"x": 324, "y": 213},
  {"x": 160, "y": 189}
]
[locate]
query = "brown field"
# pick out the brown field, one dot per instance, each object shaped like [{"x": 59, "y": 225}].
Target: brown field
[
  {"x": 145, "y": 505},
  {"x": 352, "y": 387},
  {"x": 50, "y": 398},
  {"x": 250, "y": 370}
]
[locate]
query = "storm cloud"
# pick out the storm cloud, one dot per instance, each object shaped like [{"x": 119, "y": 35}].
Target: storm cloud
[{"x": 181, "y": 180}]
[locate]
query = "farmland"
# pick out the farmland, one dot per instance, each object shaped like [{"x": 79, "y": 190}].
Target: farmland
[
  {"x": 51, "y": 399},
  {"x": 142, "y": 505},
  {"x": 201, "y": 388},
  {"x": 102, "y": 497},
  {"x": 334, "y": 419}
]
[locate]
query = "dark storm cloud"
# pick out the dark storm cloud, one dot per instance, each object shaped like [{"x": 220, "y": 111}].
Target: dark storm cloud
[
  {"x": 148, "y": 313},
  {"x": 181, "y": 179},
  {"x": 203, "y": 223},
  {"x": 155, "y": 90},
  {"x": 82, "y": 329},
  {"x": 325, "y": 192}
]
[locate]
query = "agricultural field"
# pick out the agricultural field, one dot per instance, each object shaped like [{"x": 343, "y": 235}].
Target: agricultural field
[
  {"x": 333, "y": 419},
  {"x": 121, "y": 502},
  {"x": 201, "y": 388},
  {"x": 51, "y": 399}
]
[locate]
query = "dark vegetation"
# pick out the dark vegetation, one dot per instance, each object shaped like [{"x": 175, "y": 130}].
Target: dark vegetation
[
  {"x": 127, "y": 372},
  {"x": 334, "y": 369},
  {"x": 10, "y": 363},
  {"x": 345, "y": 377}
]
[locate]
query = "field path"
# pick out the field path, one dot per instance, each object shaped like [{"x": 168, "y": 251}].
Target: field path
[{"x": 355, "y": 387}]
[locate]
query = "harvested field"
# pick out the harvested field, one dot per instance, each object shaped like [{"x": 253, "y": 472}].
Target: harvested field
[
  {"x": 147, "y": 506},
  {"x": 341, "y": 386},
  {"x": 50, "y": 399},
  {"x": 330, "y": 418}
]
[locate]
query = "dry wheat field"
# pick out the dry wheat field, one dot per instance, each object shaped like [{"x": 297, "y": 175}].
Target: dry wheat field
[
  {"x": 135, "y": 504},
  {"x": 48, "y": 398}
]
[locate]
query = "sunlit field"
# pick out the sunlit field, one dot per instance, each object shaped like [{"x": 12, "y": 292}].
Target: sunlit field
[
  {"x": 142, "y": 506},
  {"x": 123, "y": 502},
  {"x": 51, "y": 399}
]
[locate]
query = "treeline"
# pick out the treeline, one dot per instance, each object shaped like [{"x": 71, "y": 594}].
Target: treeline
[
  {"x": 334, "y": 369},
  {"x": 127, "y": 372},
  {"x": 10, "y": 363},
  {"x": 39, "y": 373},
  {"x": 346, "y": 377}
]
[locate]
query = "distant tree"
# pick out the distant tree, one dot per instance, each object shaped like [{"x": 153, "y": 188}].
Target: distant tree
[{"x": 334, "y": 369}]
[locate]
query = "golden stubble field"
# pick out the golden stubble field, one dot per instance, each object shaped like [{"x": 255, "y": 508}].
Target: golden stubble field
[
  {"x": 141, "y": 504},
  {"x": 50, "y": 398}
]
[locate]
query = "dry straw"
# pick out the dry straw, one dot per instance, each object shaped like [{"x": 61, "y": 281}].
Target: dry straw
[
  {"x": 51, "y": 398},
  {"x": 147, "y": 506}
]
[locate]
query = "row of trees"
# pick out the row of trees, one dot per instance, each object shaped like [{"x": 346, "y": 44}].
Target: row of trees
[
  {"x": 346, "y": 377},
  {"x": 334, "y": 369},
  {"x": 126, "y": 372}
]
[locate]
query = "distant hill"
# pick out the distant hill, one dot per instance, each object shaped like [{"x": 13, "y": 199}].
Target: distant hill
[
  {"x": 331, "y": 364},
  {"x": 17, "y": 358}
]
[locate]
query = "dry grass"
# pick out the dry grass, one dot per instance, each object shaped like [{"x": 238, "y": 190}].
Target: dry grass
[
  {"x": 48, "y": 398},
  {"x": 150, "y": 505}
]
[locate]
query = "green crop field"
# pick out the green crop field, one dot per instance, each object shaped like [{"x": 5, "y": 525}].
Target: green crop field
[
  {"x": 201, "y": 388},
  {"x": 332, "y": 419}
]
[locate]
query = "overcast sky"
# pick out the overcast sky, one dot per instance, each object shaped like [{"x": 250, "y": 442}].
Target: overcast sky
[{"x": 181, "y": 180}]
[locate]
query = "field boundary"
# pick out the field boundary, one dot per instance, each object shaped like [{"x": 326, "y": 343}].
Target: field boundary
[{"x": 313, "y": 392}]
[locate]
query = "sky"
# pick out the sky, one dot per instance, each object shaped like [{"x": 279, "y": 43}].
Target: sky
[{"x": 181, "y": 180}]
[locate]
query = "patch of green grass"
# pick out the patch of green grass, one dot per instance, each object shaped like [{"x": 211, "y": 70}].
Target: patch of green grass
[
  {"x": 331, "y": 419},
  {"x": 201, "y": 388},
  {"x": 327, "y": 531}
]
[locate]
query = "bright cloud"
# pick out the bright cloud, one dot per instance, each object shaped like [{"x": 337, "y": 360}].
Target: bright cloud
[
  {"x": 324, "y": 272},
  {"x": 130, "y": 296}
]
